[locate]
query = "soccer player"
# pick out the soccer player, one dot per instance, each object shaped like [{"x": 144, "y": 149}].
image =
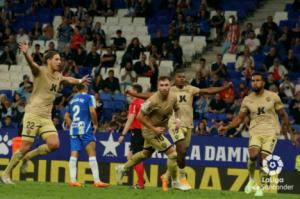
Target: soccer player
[
  {"x": 263, "y": 108},
  {"x": 154, "y": 116},
  {"x": 182, "y": 136},
  {"x": 137, "y": 140},
  {"x": 37, "y": 118},
  {"x": 80, "y": 117}
]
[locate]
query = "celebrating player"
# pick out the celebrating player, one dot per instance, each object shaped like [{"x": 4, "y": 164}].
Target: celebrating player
[
  {"x": 79, "y": 117},
  {"x": 182, "y": 136},
  {"x": 262, "y": 106},
  {"x": 154, "y": 116},
  {"x": 137, "y": 140},
  {"x": 37, "y": 118}
]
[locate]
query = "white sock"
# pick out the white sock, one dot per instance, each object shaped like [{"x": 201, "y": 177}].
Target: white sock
[
  {"x": 94, "y": 167},
  {"x": 73, "y": 168}
]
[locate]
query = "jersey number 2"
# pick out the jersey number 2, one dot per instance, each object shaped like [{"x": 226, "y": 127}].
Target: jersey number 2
[{"x": 76, "y": 110}]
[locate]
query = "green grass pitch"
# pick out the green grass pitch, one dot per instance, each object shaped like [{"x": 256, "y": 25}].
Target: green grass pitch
[{"x": 34, "y": 190}]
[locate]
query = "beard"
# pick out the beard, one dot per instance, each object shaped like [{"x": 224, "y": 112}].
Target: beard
[{"x": 256, "y": 90}]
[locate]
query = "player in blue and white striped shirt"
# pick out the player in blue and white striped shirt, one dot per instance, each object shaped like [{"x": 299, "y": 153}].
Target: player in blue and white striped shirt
[{"x": 81, "y": 118}]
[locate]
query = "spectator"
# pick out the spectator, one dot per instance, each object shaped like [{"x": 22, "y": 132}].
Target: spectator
[
  {"x": 295, "y": 108},
  {"x": 199, "y": 81},
  {"x": 77, "y": 39},
  {"x": 93, "y": 58},
  {"x": 64, "y": 31},
  {"x": 81, "y": 14},
  {"x": 141, "y": 67},
  {"x": 291, "y": 63},
  {"x": 98, "y": 30},
  {"x": 111, "y": 83},
  {"x": 269, "y": 59},
  {"x": 51, "y": 47},
  {"x": 202, "y": 129},
  {"x": 297, "y": 87},
  {"x": 228, "y": 95},
  {"x": 203, "y": 68},
  {"x": 98, "y": 83},
  {"x": 242, "y": 61},
  {"x": 7, "y": 122},
  {"x": 201, "y": 106},
  {"x": 270, "y": 81},
  {"x": 176, "y": 54},
  {"x": 284, "y": 40},
  {"x": 246, "y": 33},
  {"x": 12, "y": 44},
  {"x": 67, "y": 53},
  {"x": 215, "y": 81},
  {"x": 154, "y": 52},
  {"x": 119, "y": 41},
  {"x": 99, "y": 41},
  {"x": 18, "y": 107},
  {"x": 80, "y": 57},
  {"x": 281, "y": 95},
  {"x": 26, "y": 80},
  {"x": 233, "y": 35},
  {"x": 183, "y": 5},
  {"x": 242, "y": 91},
  {"x": 190, "y": 27},
  {"x": 218, "y": 68},
  {"x": 278, "y": 70},
  {"x": 108, "y": 60},
  {"x": 48, "y": 32},
  {"x": 165, "y": 53},
  {"x": 107, "y": 8},
  {"x": 128, "y": 76},
  {"x": 217, "y": 105},
  {"x": 8, "y": 56},
  {"x": 22, "y": 36},
  {"x": 214, "y": 129},
  {"x": 134, "y": 49},
  {"x": 86, "y": 30},
  {"x": 6, "y": 109},
  {"x": 217, "y": 21},
  {"x": 158, "y": 40},
  {"x": 71, "y": 69},
  {"x": 36, "y": 31},
  {"x": 252, "y": 42},
  {"x": 37, "y": 55},
  {"x": 269, "y": 25},
  {"x": 248, "y": 70},
  {"x": 287, "y": 87},
  {"x": 154, "y": 76},
  {"x": 141, "y": 8},
  {"x": 69, "y": 15},
  {"x": 203, "y": 22}
]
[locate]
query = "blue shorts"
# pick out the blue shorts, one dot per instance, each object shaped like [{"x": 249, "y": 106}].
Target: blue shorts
[{"x": 79, "y": 142}]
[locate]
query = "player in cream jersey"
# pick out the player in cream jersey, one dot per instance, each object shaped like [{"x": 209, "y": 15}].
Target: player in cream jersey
[
  {"x": 263, "y": 108},
  {"x": 37, "y": 118},
  {"x": 182, "y": 136}
]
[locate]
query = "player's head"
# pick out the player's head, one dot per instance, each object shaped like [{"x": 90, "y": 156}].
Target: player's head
[
  {"x": 180, "y": 78},
  {"x": 81, "y": 88},
  {"x": 257, "y": 82},
  {"x": 164, "y": 85},
  {"x": 137, "y": 88},
  {"x": 52, "y": 59}
]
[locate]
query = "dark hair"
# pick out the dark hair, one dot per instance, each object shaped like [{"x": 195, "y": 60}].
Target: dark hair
[
  {"x": 37, "y": 45},
  {"x": 138, "y": 88},
  {"x": 164, "y": 78},
  {"x": 50, "y": 55},
  {"x": 80, "y": 87},
  {"x": 256, "y": 73},
  {"x": 119, "y": 31},
  {"x": 202, "y": 59},
  {"x": 179, "y": 71}
]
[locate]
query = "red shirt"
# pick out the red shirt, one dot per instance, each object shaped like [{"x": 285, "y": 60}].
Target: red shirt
[{"x": 134, "y": 108}]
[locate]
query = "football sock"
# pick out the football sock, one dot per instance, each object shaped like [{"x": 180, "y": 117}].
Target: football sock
[
  {"x": 73, "y": 168},
  {"x": 139, "y": 169},
  {"x": 94, "y": 167},
  {"x": 251, "y": 167},
  {"x": 172, "y": 165},
  {"x": 17, "y": 156}
]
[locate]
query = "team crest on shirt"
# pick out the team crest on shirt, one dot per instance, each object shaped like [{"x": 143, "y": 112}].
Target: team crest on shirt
[{"x": 268, "y": 99}]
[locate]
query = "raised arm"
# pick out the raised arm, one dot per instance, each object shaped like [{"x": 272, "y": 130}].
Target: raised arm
[
  {"x": 214, "y": 90},
  {"x": 33, "y": 66}
]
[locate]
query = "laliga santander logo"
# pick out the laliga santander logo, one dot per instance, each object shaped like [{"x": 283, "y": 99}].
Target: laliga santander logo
[{"x": 272, "y": 165}]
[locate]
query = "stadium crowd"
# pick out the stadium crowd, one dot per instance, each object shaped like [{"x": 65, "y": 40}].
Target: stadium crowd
[{"x": 273, "y": 51}]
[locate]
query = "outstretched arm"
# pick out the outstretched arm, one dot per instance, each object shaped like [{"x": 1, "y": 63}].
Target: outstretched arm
[
  {"x": 139, "y": 95},
  {"x": 71, "y": 80},
  {"x": 214, "y": 90},
  {"x": 235, "y": 123},
  {"x": 33, "y": 66}
]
